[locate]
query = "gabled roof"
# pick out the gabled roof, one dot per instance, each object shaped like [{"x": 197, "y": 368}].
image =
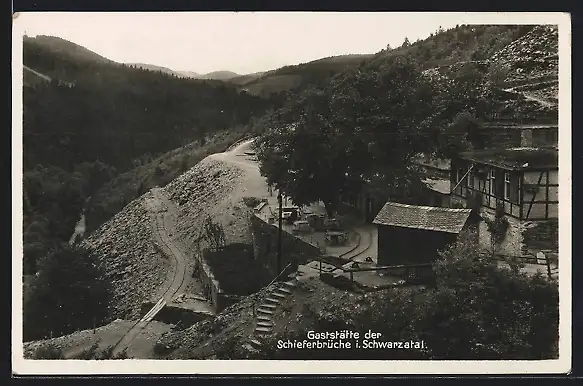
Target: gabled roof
[
  {"x": 423, "y": 217},
  {"x": 521, "y": 158}
]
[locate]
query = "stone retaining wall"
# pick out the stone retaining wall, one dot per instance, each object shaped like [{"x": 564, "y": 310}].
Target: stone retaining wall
[{"x": 293, "y": 249}]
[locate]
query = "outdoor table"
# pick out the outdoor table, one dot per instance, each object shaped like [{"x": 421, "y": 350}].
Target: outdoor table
[
  {"x": 302, "y": 226},
  {"x": 336, "y": 237}
]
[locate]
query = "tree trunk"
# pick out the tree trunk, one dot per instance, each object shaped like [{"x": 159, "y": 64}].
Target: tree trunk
[{"x": 330, "y": 206}]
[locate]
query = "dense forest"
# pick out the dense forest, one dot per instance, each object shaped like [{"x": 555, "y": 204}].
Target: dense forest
[{"x": 95, "y": 119}]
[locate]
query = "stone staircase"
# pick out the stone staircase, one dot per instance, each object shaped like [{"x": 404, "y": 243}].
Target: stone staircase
[{"x": 264, "y": 313}]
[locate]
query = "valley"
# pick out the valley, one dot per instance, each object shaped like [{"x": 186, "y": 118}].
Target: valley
[{"x": 170, "y": 188}]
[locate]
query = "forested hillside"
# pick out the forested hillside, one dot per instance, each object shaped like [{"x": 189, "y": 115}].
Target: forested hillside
[
  {"x": 366, "y": 123},
  {"x": 295, "y": 78},
  {"x": 460, "y": 44},
  {"x": 96, "y": 118}
]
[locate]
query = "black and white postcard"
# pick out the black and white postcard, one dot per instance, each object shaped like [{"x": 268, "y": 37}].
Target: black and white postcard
[{"x": 291, "y": 193}]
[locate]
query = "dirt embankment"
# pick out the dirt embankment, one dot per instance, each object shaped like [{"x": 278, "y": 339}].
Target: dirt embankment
[
  {"x": 210, "y": 189},
  {"x": 133, "y": 264}
]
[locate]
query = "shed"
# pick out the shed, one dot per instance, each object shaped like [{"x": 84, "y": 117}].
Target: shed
[{"x": 412, "y": 234}]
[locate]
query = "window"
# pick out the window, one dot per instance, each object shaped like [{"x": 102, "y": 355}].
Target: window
[
  {"x": 506, "y": 186},
  {"x": 492, "y": 182}
]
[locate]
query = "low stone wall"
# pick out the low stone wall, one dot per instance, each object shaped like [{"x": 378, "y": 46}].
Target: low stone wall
[
  {"x": 211, "y": 288},
  {"x": 541, "y": 235},
  {"x": 522, "y": 237},
  {"x": 225, "y": 301},
  {"x": 293, "y": 249},
  {"x": 512, "y": 244}
]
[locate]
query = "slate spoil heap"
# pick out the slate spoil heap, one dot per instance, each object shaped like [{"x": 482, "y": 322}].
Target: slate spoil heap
[
  {"x": 124, "y": 245},
  {"x": 203, "y": 192}
]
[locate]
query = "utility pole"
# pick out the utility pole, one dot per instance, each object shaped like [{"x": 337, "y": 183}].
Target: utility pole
[{"x": 279, "y": 200}]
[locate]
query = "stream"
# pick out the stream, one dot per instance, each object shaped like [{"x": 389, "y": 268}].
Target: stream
[{"x": 79, "y": 227}]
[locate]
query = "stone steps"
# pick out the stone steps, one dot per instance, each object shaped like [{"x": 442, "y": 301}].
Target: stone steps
[
  {"x": 250, "y": 347},
  {"x": 265, "y": 311},
  {"x": 279, "y": 295},
  {"x": 263, "y": 330},
  {"x": 291, "y": 283},
  {"x": 263, "y": 322}
]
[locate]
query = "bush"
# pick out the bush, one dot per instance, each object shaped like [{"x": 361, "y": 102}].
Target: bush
[
  {"x": 48, "y": 352},
  {"x": 475, "y": 311},
  {"x": 252, "y": 202},
  {"x": 69, "y": 293},
  {"x": 499, "y": 313}
]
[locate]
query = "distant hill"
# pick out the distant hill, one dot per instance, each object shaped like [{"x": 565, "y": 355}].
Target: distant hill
[
  {"x": 59, "y": 46},
  {"x": 243, "y": 79},
  {"x": 219, "y": 75},
  {"x": 296, "y": 77},
  {"x": 165, "y": 70},
  {"x": 188, "y": 74}
]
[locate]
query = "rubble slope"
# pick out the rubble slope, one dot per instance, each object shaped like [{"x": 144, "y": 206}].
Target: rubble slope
[{"x": 132, "y": 263}]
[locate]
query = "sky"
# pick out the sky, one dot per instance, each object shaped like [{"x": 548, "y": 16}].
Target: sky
[{"x": 242, "y": 42}]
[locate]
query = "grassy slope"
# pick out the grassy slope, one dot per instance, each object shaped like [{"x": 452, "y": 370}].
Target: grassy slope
[{"x": 293, "y": 77}]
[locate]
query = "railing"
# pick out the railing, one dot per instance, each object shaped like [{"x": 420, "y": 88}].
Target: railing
[
  {"x": 278, "y": 275},
  {"x": 411, "y": 270},
  {"x": 552, "y": 266}
]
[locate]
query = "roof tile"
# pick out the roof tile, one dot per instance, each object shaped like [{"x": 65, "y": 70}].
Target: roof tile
[{"x": 423, "y": 217}]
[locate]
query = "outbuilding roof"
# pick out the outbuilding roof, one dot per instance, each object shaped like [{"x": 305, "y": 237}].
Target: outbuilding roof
[{"x": 423, "y": 217}]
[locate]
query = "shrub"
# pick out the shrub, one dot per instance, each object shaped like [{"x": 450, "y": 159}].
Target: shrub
[
  {"x": 48, "y": 352},
  {"x": 252, "y": 202},
  {"x": 69, "y": 293},
  {"x": 214, "y": 234}
]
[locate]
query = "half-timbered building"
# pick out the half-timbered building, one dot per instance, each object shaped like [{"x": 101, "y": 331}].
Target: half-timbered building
[{"x": 524, "y": 181}]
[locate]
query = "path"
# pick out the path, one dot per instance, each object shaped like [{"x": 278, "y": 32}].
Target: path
[
  {"x": 81, "y": 224},
  {"x": 160, "y": 205},
  {"x": 543, "y": 102},
  {"x": 79, "y": 230},
  {"x": 531, "y": 97},
  {"x": 236, "y": 155},
  {"x": 48, "y": 79}
]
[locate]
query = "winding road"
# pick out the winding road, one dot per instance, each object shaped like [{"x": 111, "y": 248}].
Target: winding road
[{"x": 176, "y": 282}]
